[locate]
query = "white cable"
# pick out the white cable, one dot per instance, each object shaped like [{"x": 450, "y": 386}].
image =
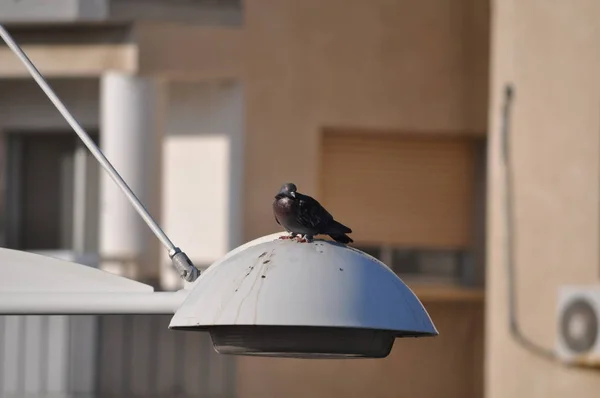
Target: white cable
[{"x": 137, "y": 204}]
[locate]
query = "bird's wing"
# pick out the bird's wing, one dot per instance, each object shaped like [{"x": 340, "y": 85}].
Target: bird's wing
[{"x": 311, "y": 213}]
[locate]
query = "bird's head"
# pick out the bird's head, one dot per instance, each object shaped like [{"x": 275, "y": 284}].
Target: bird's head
[{"x": 287, "y": 190}]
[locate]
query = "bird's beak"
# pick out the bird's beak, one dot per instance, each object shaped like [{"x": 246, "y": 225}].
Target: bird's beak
[{"x": 293, "y": 194}]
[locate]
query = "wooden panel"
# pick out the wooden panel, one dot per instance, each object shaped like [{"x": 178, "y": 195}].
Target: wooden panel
[{"x": 403, "y": 190}]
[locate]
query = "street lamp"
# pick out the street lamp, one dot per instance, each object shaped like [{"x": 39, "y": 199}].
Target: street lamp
[{"x": 268, "y": 297}]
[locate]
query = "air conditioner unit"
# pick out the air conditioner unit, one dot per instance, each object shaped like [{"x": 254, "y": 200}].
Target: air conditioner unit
[{"x": 578, "y": 325}]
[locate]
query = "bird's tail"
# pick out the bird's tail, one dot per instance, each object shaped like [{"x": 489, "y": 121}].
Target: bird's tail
[
  {"x": 338, "y": 232},
  {"x": 339, "y": 227},
  {"x": 341, "y": 238}
]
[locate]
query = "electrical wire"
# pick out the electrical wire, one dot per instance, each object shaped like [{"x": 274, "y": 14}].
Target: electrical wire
[{"x": 515, "y": 329}]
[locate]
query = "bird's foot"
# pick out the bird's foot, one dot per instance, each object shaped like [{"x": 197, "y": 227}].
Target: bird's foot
[
  {"x": 305, "y": 239},
  {"x": 290, "y": 236}
]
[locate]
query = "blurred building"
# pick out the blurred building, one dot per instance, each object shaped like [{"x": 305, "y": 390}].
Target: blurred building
[{"x": 379, "y": 109}]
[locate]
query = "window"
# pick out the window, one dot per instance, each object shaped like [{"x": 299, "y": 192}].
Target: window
[
  {"x": 434, "y": 266},
  {"x": 414, "y": 201}
]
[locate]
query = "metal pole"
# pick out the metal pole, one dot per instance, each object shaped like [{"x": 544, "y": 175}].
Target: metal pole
[
  {"x": 180, "y": 260},
  {"x": 100, "y": 303}
]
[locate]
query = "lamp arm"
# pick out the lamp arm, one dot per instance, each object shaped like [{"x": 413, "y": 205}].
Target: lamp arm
[
  {"x": 179, "y": 259},
  {"x": 90, "y": 303}
]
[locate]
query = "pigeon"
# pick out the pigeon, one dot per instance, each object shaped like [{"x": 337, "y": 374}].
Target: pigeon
[{"x": 302, "y": 215}]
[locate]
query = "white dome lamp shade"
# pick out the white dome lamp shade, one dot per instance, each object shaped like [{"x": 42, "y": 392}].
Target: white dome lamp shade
[{"x": 275, "y": 297}]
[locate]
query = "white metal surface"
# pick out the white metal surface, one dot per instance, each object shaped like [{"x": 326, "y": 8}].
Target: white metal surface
[
  {"x": 282, "y": 282},
  {"x": 25, "y": 272},
  {"x": 51, "y": 303}
]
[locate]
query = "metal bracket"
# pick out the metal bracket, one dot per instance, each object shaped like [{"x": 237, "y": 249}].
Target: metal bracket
[{"x": 184, "y": 265}]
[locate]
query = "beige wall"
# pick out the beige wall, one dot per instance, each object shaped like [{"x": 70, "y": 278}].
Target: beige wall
[
  {"x": 188, "y": 51},
  {"x": 405, "y": 66},
  {"x": 550, "y": 51},
  {"x": 397, "y": 66}
]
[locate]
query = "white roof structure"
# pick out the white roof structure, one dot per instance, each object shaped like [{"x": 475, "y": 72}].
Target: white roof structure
[
  {"x": 35, "y": 284},
  {"x": 28, "y": 272}
]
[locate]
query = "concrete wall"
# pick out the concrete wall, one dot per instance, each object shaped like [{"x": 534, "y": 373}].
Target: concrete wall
[
  {"x": 57, "y": 11},
  {"x": 202, "y": 171},
  {"x": 550, "y": 51},
  {"x": 404, "y": 66},
  {"x": 20, "y": 99}
]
